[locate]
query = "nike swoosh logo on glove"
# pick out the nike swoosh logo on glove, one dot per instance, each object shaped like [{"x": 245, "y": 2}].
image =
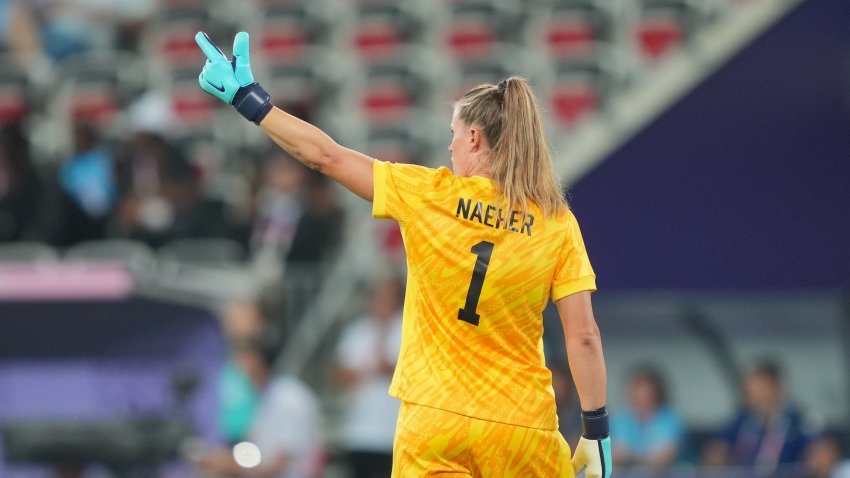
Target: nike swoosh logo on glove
[{"x": 219, "y": 88}]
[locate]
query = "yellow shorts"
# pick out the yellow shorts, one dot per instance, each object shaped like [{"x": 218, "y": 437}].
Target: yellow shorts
[{"x": 430, "y": 442}]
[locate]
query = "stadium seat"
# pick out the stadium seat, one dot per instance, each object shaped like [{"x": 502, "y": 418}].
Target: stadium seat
[
  {"x": 476, "y": 73},
  {"x": 14, "y": 99},
  {"x": 27, "y": 252},
  {"x": 135, "y": 255},
  {"x": 297, "y": 83},
  {"x": 382, "y": 30},
  {"x": 574, "y": 29},
  {"x": 663, "y": 25},
  {"x": 390, "y": 93},
  {"x": 182, "y": 4},
  {"x": 174, "y": 44},
  {"x": 470, "y": 39},
  {"x": 208, "y": 251},
  {"x": 395, "y": 144},
  {"x": 375, "y": 40},
  {"x": 659, "y": 32},
  {"x": 572, "y": 100},
  {"x": 579, "y": 88},
  {"x": 94, "y": 102},
  {"x": 386, "y": 101},
  {"x": 282, "y": 42},
  {"x": 170, "y": 39},
  {"x": 95, "y": 86},
  {"x": 477, "y": 29},
  {"x": 284, "y": 34},
  {"x": 192, "y": 107}
]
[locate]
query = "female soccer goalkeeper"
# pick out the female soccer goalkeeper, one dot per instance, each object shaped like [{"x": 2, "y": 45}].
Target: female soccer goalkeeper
[{"x": 488, "y": 244}]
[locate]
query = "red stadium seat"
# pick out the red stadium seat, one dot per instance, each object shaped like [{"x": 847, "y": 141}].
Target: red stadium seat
[
  {"x": 658, "y": 34},
  {"x": 388, "y": 153},
  {"x": 13, "y": 106},
  {"x": 278, "y": 3},
  {"x": 391, "y": 144},
  {"x": 386, "y": 102},
  {"x": 287, "y": 31},
  {"x": 192, "y": 107},
  {"x": 176, "y": 45},
  {"x": 382, "y": 30},
  {"x": 282, "y": 43},
  {"x": 95, "y": 104},
  {"x": 182, "y": 4},
  {"x": 571, "y": 101},
  {"x": 377, "y": 40},
  {"x": 570, "y": 36},
  {"x": 472, "y": 39}
]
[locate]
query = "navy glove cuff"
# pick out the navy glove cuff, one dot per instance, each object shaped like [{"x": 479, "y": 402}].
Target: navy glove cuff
[
  {"x": 253, "y": 102},
  {"x": 594, "y": 424}
]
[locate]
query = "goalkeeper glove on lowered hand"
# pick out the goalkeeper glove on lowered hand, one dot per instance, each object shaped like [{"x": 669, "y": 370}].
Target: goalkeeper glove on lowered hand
[
  {"x": 593, "y": 453},
  {"x": 231, "y": 80}
]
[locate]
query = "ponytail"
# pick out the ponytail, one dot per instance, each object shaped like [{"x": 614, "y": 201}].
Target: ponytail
[{"x": 520, "y": 161}]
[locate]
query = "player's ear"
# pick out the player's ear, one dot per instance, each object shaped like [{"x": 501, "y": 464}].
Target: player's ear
[{"x": 474, "y": 139}]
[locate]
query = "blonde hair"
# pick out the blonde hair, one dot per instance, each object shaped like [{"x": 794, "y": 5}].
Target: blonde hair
[{"x": 520, "y": 161}]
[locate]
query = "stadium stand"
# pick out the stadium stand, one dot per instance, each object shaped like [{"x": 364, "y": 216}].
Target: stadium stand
[
  {"x": 135, "y": 255},
  {"x": 23, "y": 252},
  {"x": 379, "y": 76}
]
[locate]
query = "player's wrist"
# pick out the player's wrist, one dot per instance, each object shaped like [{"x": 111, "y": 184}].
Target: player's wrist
[
  {"x": 252, "y": 102},
  {"x": 594, "y": 424}
]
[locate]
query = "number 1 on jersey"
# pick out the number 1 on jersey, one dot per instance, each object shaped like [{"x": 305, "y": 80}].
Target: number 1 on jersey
[{"x": 468, "y": 313}]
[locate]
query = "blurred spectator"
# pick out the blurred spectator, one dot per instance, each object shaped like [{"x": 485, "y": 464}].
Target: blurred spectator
[
  {"x": 20, "y": 186},
  {"x": 237, "y": 398},
  {"x": 286, "y": 427},
  {"x": 566, "y": 399},
  {"x": 162, "y": 197},
  {"x": 650, "y": 433},
  {"x": 767, "y": 433},
  {"x": 88, "y": 175},
  {"x": 279, "y": 206},
  {"x": 366, "y": 358},
  {"x": 33, "y": 209},
  {"x": 823, "y": 458},
  {"x": 68, "y": 27},
  {"x": 320, "y": 227},
  {"x": 19, "y": 33}
]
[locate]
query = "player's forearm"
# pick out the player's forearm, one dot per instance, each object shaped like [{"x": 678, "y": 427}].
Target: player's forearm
[
  {"x": 587, "y": 365},
  {"x": 231, "y": 81},
  {"x": 584, "y": 349},
  {"x": 305, "y": 142}
]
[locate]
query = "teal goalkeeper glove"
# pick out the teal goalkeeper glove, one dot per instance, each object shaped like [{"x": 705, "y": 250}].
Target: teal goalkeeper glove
[
  {"x": 231, "y": 80},
  {"x": 593, "y": 452}
]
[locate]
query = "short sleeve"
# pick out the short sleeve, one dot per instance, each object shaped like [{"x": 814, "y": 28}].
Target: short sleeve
[
  {"x": 573, "y": 273},
  {"x": 670, "y": 430},
  {"x": 354, "y": 346},
  {"x": 399, "y": 189},
  {"x": 290, "y": 421}
]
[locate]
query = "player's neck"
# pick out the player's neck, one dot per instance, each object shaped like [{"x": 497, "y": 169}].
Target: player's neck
[{"x": 478, "y": 167}]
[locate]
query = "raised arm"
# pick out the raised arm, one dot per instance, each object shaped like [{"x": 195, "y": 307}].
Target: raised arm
[
  {"x": 318, "y": 151},
  {"x": 587, "y": 365},
  {"x": 232, "y": 81}
]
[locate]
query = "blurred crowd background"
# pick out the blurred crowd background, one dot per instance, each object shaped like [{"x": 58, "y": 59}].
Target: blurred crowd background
[{"x": 172, "y": 284}]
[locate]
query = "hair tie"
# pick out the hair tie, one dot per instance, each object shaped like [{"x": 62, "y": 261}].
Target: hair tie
[{"x": 501, "y": 86}]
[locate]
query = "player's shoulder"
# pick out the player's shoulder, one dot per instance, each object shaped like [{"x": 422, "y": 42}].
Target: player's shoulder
[
  {"x": 560, "y": 220},
  {"x": 420, "y": 174}
]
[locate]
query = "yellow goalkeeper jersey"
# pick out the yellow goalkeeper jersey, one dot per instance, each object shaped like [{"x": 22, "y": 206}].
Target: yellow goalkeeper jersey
[{"x": 479, "y": 277}]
